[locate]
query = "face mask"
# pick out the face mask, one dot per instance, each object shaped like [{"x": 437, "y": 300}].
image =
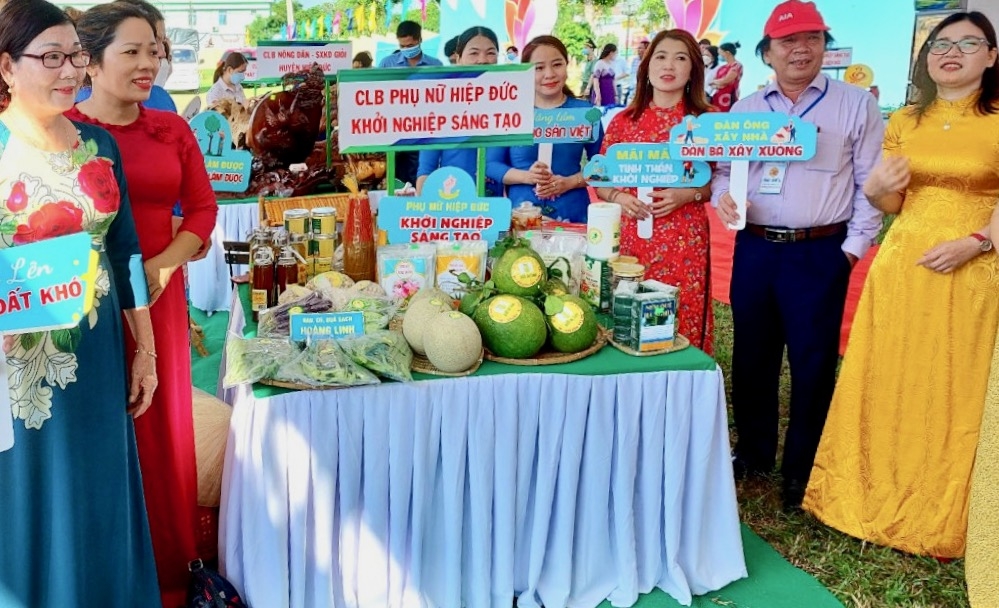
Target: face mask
[
  {"x": 511, "y": 56},
  {"x": 707, "y": 60},
  {"x": 237, "y": 77},
  {"x": 166, "y": 68},
  {"x": 587, "y": 52},
  {"x": 411, "y": 52}
]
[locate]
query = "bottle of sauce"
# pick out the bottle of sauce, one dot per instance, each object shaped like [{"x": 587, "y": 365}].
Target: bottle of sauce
[
  {"x": 359, "y": 240},
  {"x": 262, "y": 280},
  {"x": 287, "y": 271}
]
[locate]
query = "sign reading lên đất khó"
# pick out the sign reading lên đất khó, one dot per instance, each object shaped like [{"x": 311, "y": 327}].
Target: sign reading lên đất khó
[
  {"x": 48, "y": 285},
  {"x": 453, "y": 107},
  {"x": 277, "y": 58}
]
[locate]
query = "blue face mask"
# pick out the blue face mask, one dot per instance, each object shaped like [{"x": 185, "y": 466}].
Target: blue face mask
[
  {"x": 237, "y": 77},
  {"x": 411, "y": 52},
  {"x": 511, "y": 56}
]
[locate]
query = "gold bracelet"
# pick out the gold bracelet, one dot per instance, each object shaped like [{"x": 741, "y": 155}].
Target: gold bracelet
[{"x": 145, "y": 352}]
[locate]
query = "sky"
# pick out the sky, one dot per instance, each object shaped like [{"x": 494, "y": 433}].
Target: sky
[{"x": 879, "y": 31}]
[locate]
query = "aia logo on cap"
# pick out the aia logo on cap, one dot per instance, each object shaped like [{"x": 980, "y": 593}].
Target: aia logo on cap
[{"x": 785, "y": 17}]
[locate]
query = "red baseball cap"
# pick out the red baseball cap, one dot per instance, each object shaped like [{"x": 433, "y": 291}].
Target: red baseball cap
[{"x": 794, "y": 17}]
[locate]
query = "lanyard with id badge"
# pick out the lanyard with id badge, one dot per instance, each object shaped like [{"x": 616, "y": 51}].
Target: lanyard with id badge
[{"x": 774, "y": 172}]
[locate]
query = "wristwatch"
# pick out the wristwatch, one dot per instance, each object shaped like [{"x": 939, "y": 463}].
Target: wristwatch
[
  {"x": 698, "y": 196},
  {"x": 984, "y": 243}
]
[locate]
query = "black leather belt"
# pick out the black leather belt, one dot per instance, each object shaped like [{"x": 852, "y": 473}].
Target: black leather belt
[{"x": 794, "y": 235}]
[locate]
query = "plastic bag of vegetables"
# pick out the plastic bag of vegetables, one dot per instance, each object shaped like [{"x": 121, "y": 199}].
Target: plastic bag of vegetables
[
  {"x": 382, "y": 351},
  {"x": 378, "y": 311},
  {"x": 276, "y": 321},
  {"x": 253, "y": 359},
  {"x": 324, "y": 363}
]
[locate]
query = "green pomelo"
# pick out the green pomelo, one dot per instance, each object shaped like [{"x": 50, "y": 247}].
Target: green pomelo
[
  {"x": 520, "y": 271},
  {"x": 575, "y": 327},
  {"x": 511, "y": 326}
]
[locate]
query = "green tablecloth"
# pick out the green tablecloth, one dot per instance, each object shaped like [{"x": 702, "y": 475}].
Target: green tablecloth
[{"x": 606, "y": 361}]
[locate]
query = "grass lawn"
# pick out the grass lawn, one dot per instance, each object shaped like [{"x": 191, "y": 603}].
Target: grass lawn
[{"x": 860, "y": 574}]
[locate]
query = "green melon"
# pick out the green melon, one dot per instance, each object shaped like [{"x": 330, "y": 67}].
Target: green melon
[
  {"x": 452, "y": 342},
  {"x": 417, "y": 319}
]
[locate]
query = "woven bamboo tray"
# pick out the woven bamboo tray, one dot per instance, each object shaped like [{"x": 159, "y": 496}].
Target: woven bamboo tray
[
  {"x": 423, "y": 365},
  {"x": 272, "y": 210},
  {"x": 681, "y": 342},
  {"x": 301, "y": 387},
  {"x": 554, "y": 358}
]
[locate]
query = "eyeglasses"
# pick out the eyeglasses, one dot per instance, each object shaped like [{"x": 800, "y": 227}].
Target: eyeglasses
[
  {"x": 967, "y": 46},
  {"x": 56, "y": 59}
]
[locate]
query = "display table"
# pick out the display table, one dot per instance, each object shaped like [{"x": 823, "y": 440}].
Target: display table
[
  {"x": 563, "y": 485},
  {"x": 208, "y": 279}
]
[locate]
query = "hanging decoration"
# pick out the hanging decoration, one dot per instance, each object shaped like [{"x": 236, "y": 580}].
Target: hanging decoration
[
  {"x": 388, "y": 13},
  {"x": 336, "y": 23},
  {"x": 519, "y": 19},
  {"x": 350, "y": 20},
  {"x": 694, "y": 16},
  {"x": 373, "y": 17},
  {"x": 423, "y": 9},
  {"x": 359, "y": 20}
]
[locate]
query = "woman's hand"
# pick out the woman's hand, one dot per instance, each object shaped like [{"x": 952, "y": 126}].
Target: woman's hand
[
  {"x": 890, "y": 176},
  {"x": 631, "y": 206},
  {"x": 539, "y": 173},
  {"x": 668, "y": 200},
  {"x": 143, "y": 382},
  {"x": 950, "y": 255},
  {"x": 556, "y": 186},
  {"x": 203, "y": 252},
  {"x": 158, "y": 274}
]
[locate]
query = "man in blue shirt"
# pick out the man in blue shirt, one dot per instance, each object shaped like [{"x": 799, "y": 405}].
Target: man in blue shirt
[{"x": 410, "y": 35}]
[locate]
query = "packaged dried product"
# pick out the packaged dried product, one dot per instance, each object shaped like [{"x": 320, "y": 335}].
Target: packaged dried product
[
  {"x": 254, "y": 359},
  {"x": 383, "y": 351}
]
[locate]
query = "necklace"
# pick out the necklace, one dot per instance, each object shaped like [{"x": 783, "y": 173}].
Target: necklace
[{"x": 951, "y": 114}]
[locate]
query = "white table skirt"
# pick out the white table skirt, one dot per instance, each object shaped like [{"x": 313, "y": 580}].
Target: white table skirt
[
  {"x": 208, "y": 279},
  {"x": 563, "y": 490}
]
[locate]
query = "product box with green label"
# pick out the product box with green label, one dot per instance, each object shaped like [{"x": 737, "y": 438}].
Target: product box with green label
[{"x": 645, "y": 315}]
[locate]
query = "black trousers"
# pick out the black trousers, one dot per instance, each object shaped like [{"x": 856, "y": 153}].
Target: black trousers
[{"x": 785, "y": 295}]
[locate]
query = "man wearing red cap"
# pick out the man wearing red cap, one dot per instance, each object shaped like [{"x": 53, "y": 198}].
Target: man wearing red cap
[{"x": 805, "y": 230}]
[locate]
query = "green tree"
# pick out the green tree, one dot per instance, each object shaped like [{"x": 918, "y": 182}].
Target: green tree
[
  {"x": 265, "y": 28},
  {"x": 213, "y": 125},
  {"x": 572, "y": 32}
]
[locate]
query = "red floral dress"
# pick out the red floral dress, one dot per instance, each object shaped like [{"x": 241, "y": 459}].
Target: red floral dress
[
  {"x": 163, "y": 165},
  {"x": 678, "y": 252}
]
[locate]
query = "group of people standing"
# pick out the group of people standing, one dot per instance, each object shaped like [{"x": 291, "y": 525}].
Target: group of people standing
[
  {"x": 896, "y": 459},
  {"x": 893, "y": 451},
  {"x": 98, "y": 495}
]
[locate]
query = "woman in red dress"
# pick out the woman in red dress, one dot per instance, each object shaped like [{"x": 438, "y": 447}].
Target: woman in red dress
[
  {"x": 727, "y": 78},
  {"x": 670, "y": 86},
  {"x": 162, "y": 165}
]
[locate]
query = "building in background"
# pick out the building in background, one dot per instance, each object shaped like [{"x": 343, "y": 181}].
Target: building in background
[{"x": 220, "y": 23}]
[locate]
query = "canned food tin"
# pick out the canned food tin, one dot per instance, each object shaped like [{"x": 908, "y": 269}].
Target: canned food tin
[
  {"x": 321, "y": 265},
  {"x": 324, "y": 220},
  {"x": 322, "y": 246},
  {"x": 296, "y": 221}
]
